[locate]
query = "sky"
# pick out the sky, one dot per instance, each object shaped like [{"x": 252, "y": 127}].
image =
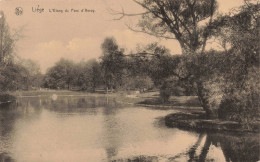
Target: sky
[{"x": 48, "y": 36}]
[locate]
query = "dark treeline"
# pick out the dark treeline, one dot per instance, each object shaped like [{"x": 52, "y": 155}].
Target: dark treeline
[
  {"x": 152, "y": 68},
  {"x": 114, "y": 71}
]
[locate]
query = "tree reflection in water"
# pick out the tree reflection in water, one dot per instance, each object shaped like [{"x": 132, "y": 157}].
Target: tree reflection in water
[{"x": 242, "y": 148}]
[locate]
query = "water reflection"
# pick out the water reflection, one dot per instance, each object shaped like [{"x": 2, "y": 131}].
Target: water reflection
[
  {"x": 112, "y": 129},
  {"x": 214, "y": 147},
  {"x": 234, "y": 148},
  {"x": 101, "y": 129}
]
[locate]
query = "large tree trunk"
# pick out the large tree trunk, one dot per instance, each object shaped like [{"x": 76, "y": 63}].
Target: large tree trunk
[{"x": 204, "y": 100}]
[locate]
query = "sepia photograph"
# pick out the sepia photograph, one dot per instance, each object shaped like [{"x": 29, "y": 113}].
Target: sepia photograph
[{"x": 129, "y": 80}]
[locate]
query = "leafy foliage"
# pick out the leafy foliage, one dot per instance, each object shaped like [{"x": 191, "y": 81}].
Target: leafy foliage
[
  {"x": 61, "y": 75},
  {"x": 112, "y": 63},
  {"x": 14, "y": 73}
]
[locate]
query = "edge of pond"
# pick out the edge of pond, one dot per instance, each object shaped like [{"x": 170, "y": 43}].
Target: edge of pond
[
  {"x": 198, "y": 122},
  {"x": 195, "y": 120}
]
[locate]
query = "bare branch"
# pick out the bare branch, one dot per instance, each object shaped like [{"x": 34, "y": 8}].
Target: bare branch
[
  {"x": 191, "y": 6},
  {"x": 210, "y": 22},
  {"x": 155, "y": 14},
  {"x": 249, "y": 8},
  {"x": 176, "y": 17},
  {"x": 122, "y": 14},
  {"x": 152, "y": 34}
]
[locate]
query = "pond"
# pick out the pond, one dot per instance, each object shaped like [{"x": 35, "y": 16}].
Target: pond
[{"x": 85, "y": 128}]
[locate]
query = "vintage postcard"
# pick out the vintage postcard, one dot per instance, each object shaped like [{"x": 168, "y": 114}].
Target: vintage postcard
[{"x": 129, "y": 80}]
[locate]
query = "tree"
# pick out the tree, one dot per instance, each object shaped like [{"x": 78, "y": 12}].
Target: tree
[
  {"x": 61, "y": 75},
  {"x": 112, "y": 63},
  {"x": 240, "y": 31},
  {"x": 88, "y": 75},
  {"x": 178, "y": 19},
  {"x": 96, "y": 75},
  {"x": 82, "y": 76},
  {"x": 10, "y": 73},
  {"x": 160, "y": 64},
  {"x": 33, "y": 74},
  {"x": 13, "y": 77},
  {"x": 186, "y": 21},
  {"x": 6, "y": 42},
  {"x": 192, "y": 23}
]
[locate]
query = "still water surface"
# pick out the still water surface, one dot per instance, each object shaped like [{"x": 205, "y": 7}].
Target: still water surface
[{"x": 77, "y": 128}]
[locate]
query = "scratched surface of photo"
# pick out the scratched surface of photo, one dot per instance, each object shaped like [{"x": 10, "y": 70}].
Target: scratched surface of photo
[{"x": 129, "y": 80}]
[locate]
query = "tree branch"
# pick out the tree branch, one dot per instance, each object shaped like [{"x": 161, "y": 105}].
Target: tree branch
[
  {"x": 123, "y": 14},
  {"x": 210, "y": 22},
  {"x": 155, "y": 14},
  {"x": 141, "y": 31},
  {"x": 176, "y": 17},
  {"x": 248, "y": 6}
]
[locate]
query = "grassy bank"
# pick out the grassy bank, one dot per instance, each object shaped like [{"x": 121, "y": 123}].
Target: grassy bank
[
  {"x": 190, "y": 115},
  {"x": 199, "y": 122}
]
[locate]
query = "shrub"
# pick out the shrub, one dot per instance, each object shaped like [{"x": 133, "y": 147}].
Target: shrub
[
  {"x": 165, "y": 93},
  {"x": 241, "y": 103}
]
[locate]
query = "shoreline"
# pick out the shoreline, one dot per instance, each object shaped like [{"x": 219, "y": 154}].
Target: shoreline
[
  {"x": 198, "y": 122},
  {"x": 188, "y": 118}
]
